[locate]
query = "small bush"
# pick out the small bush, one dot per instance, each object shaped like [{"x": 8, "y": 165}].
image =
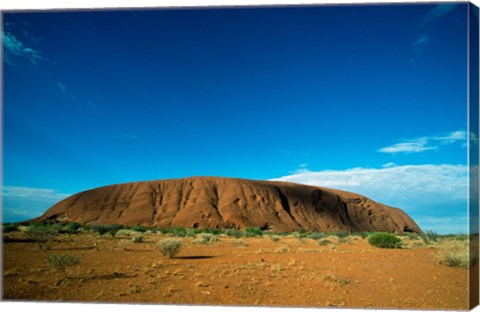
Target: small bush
[
  {"x": 161, "y": 230},
  {"x": 42, "y": 236},
  {"x": 233, "y": 232},
  {"x": 341, "y": 234},
  {"x": 316, "y": 235},
  {"x": 384, "y": 240},
  {"x": 124, "y": 232},
  {"x": 454, "y": 259},
  {"x": 342, "y": 240},
  {"x": 71, "y": 227},
  {"x": 60, "y": 262},
  {"x": 169, "y": 247},
  {"x": 138, "y": 228},
  {"x": 212, "y": 231},
  {"x": 206, "y": 238},
  {"x": 178, "y": 231},
  {"x": 275, "y": 238},
  {"x": 37, "y": 225},
  {"x": 191, "y": 232},
  {"x": 102, "y": 229},
  {"x": 325, "y": 242},
  {"x": 137, "y": 238},
  {"x": 10, "y": 227},
  {"x": 298, "y": 234},
  {"x": 253, "y": 231}
]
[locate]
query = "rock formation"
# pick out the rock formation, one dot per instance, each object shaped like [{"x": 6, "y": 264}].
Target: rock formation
[{"x": 202, "y": 202}]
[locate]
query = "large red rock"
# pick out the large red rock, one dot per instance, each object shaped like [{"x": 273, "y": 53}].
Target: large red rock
[{"x": 211, "y": 202}]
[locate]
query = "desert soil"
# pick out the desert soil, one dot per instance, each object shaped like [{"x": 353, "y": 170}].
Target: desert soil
[{"x": 253, "y": 271}]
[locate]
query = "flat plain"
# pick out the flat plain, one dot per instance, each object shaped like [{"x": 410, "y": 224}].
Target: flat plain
[{"x": 268, "y": 270}]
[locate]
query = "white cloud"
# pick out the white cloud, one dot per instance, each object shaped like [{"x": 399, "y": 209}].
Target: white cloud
[
  {"x": 423, "y": 144},
  {"x": 13, "y": 46},
  {"x": 420, "y": 190},
  {"x": 22, "y": 203},
  {"x": 388, "y": 165}
]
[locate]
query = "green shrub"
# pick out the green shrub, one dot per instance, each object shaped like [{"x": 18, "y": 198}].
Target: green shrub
[
  {"x": 253, "y": 231},
  {"x": 10, "y": 227},
  {"x": 161, "y": 230},
  {"x": 341, "y": 234},
  {"x": 71, "y": 227},
  {"x": 138, "y": 228},
  {"x": 60, "y": 262},
  {"x": 384, "y": 240},
  {"x": 169, "y": 247},
  {"x": 178, "y": 231},
  {"x": 233, "y": 232},
  {"x": 106, "y": 228},
  {"x": 189, "y": 232},
  {"x": 37, "y": 225},
  {"x": 316, "y": 235},
  {"x": 212, "y": 231}
]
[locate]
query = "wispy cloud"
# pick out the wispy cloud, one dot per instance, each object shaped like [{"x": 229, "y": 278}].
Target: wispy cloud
[
  {"x": 22, "y": 203},
  {"x": 61, "y": 86},
  {"x": 421, "y": 39},
  {"x": 14, "y": 47},
  {"x": 420, "y": 190},
  {"x": 419, "y": 44},
  {"x": 438, "y": 12},
  {"x": 423, "y": 144}
]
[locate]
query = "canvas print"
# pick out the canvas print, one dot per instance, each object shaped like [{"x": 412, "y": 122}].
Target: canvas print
[{"x": 277, "y": 156}]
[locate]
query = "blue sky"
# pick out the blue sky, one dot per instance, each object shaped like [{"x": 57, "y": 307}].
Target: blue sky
[{"x": 370, "y": 99}]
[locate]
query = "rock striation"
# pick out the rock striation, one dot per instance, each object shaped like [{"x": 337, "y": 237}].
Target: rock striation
[{"x": 201, "y": 202}]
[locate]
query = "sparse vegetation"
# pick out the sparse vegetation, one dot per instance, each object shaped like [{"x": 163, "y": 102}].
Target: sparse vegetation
[
  {"x": 275, "y": 238},
  {"x": 316, "y": 235},
  {"x": 454, "y": 259},
  {"x": 42, "y": 236},
  {"x": 233, "y": 232},
  {"x": 60, "y": 262},
  {"x": 334, "y": 279},
  {"x": 138, "y": 228},
  {"x": 430, "y": 237},
  {"x": 102, "y": 229},
  {"x": 253, "y": 232},
  {"x": 169, "y": 247},
  {"x": 138, "y": 238},
  {"x": 10, "y": 227},
  {"x": 178, "y": 231},
  {"x": 384, "y": 240},
  {"x": 341, "y": 234},
  {"x": 206, "y": 238},
  {"x": 325, "y": 242},
  {"x": 71, "y": 227}
]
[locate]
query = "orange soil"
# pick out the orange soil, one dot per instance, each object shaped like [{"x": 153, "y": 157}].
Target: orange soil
[{"x": 248, "y": 271}]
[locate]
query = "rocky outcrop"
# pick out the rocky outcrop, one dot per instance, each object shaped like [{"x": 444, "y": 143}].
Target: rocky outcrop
[{"x": 201, "y": 202}]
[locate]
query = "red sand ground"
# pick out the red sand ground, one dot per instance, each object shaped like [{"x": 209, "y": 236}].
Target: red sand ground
[{"x": 248, "y": 271}]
